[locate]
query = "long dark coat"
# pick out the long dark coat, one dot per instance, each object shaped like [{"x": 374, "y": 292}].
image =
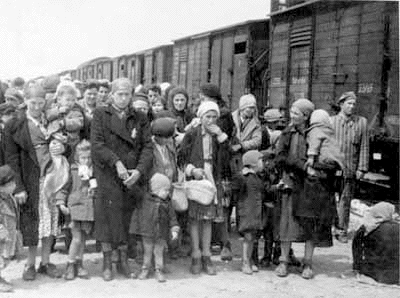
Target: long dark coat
[
  {"x": 113, "y": 139},
  {"x": 21, "y": 156},
  {"x": 377, "y": 254}
]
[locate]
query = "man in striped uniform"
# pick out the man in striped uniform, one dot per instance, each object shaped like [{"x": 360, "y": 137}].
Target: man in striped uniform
[{"x": 352, "y": 135}]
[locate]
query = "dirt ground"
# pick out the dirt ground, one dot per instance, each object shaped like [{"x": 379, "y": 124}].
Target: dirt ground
[{"x": 331, "y": 265}]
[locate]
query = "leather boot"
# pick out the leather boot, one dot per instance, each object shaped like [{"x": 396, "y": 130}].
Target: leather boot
[
  {"x": 80, "y": 271},
  {"x": 70, "y": 272},
  {"x": 123, "y": 266},
  {"x": 208, "y": 266},
  {"x": 107, "y": 266}
]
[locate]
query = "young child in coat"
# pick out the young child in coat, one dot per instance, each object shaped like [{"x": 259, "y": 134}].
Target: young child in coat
[
  {"x": 323, "y": 150},
  {"x": 80, "y": 208},
  {"x": 8, "y": 222},
  {"x": 155, "y": 220},
  {"x": 249, "y": 188}
]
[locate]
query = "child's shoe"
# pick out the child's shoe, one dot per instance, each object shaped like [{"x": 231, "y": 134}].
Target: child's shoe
[
  {"x": 246, "y": 268},
  {"x": 70, "y": 272},
  {"x": 5, "y": 286},
  {"x": 29, "y": 273},
  {"x": 144, "y": 273},
  {"x": 50, "y": 270},
  {"x": 226, "y": 252},
  {"x": 265, "y": 262},
  {"x": 80, "y": 271},
  {"x": 254, "y": 268},
  {"x": 195, "y": 268},
  {"x": 282, "y": 269},
  {"x": 208, "y": 266},
  {"x": 159, "y": 275}
]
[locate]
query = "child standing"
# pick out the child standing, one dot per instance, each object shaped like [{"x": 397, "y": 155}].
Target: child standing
[
  {"x": 250, "y": 191},
  {"x": 154, "y": 219},
  {"x": 8, "y": 222},
  {"x": 80, "y": 207}
]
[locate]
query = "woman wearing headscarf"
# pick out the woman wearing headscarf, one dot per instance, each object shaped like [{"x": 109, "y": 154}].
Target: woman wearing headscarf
[
  {"x": 307, "y": 204},
  {"x": 376, "y": 245},
  {"x": 202, "y": 156}
]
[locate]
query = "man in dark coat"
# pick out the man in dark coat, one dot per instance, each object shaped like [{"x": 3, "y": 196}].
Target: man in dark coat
[{"x": 122, "y": 154}]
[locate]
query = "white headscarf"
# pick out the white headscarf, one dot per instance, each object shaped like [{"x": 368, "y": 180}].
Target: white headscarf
[{"x": 207, "y": 106}]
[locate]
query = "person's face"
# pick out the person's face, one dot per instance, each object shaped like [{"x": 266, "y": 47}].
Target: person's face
[
  {"x": 179, "y": 101},
  {"x": 9, "y": 187},
  {"x": 259, "y": 166},
  {"x": 103, "y": 94},
  {"x": 35, "y": 106},
  {"x": 248, "y": 112},
  {"x": 152, "y": 95},
  {"x": 157, "y": 107},
  {"x": 347, "y": 106},
  {"x": 209, "y": 118},
  {"x": 122, "y": 98},
  {"x": 296, "y": 116},
  {"x": 85, "y": 158},
  {"x": 12, "y": 101},
  {"x": 140, "y": 105},
  {"x": 67, "y": 100},
  {"x": 163, "y": 192},
  {"x": 90, "y": 97}
]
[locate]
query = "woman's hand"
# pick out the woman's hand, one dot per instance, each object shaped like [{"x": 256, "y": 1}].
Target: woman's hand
[
  {"x": 198, "y": 173},
  {"x": 214, "y": 129},
  {"x": 121, "y": 170},
  {"x": 133, "y": 178},
  {"x": 56, "y": 148}
]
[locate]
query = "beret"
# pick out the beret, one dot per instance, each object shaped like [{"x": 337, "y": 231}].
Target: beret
[
  {"x": 346, "y": 95},
  {"x": 50, "y": 83},
  {"x": 272, "y": 115},
  {"x": 163, "y": 127},
  {"x": 210, "y": 90}
]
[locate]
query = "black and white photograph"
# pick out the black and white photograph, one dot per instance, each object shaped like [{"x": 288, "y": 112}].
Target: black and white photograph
[{"x": 203, "y": 149}]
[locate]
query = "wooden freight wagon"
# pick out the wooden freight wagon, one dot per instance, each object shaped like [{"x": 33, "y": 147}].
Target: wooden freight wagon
[
  {"x": 320, "y": 49},
  {"x": 120, "y": 67},
  {"x": 103, "y": 68},
  {"x": 235, "y": 58}
]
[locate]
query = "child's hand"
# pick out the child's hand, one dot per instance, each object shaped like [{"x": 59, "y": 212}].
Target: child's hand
[{"x": 64, "y": 209}]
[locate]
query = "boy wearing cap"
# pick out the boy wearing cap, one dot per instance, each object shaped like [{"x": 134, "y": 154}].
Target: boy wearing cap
[
  {"x": 8, "y": 222},
  {"x": 352, "y": 135}
]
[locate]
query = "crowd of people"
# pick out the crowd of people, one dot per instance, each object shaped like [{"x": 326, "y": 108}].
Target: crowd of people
[{"x": 107, "y": 160}]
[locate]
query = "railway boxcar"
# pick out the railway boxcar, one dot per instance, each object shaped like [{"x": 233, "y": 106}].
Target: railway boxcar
[
  {"x": 320, "y": 49},
  {"x": 235, "y": 58},
  {"x": 103, "y": 68},
  {"x": 92, "y": 69},
  {"x": 120, "y": 69}
]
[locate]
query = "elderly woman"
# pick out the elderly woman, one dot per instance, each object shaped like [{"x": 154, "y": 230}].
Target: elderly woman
[
  {"x": 122, "y": 154},
  {"x": 29, "y": 155},
  {"x": 202, "y": 156},
  {"x": 376, "y": 245},
  {"x": 307, "y": 206}
]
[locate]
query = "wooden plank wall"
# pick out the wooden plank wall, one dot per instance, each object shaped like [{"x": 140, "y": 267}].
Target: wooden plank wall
[
  {"x": 279, "y": 59},
  {"x": 393, "y": 92},
  {"x": 240, "y": 68}
]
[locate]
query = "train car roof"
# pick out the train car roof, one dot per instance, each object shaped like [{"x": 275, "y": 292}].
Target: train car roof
[
  {"x": 218, "y": 30},
  {"x": 311, "y": 2},
  {"x": 98, "y": 59}
]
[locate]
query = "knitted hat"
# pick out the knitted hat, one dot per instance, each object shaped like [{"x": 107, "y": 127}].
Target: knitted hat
[
  {"x": 6, "y": 109},
  {"x": 50, "y": 83},
  {"x": 247, "y": 101},
  {"x": 165, "y": 114},
  {"x": 304, "y": 105},
  {"x": 346, "y": 95},
  {"x": 272, "y": 115},
  {"x": 320, "y": 117},
  {"x": 210, "y": 90},
  {"x": 163, "y": 127},
  {"x": 14, "y": 94},
  {"x": 6, "y": 174},
  {"x": 207, "y": 106},
  {"x": 251, "y": 157},
  {"x": 158, "y": 182},
  {"x": 140, "y": 96}
]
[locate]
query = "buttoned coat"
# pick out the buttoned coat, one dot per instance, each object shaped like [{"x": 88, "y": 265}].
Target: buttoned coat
[{"x": 113, "y": 139}]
